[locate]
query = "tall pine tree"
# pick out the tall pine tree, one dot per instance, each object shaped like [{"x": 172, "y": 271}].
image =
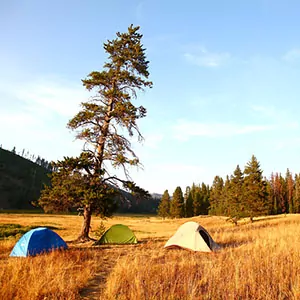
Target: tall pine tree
[
  {"x": 205, "y": 199},
  {"x": 197, "y": 201},
  {"x": 217, "y": 205},
  {"x": 188, "y": 203},
  {"x": 255, "y": 190},
  {"x": 235, "y": 195},
  {"x": 164, "y": 205},
  {"x": 289, "y": 191},
  {"x": 297, "y": 194},
  {"x": 105, "y": 123},
  {"x": 177, "y": 204}
]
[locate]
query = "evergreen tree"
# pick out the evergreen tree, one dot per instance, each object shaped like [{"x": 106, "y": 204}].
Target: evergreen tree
[
  {"x": 189, "y": 203},
  {"x": 271, "y": 187},
  {"x": 177, "y": 204},
  {"x": 195, "y": 197},
  {"x": 297, "y": 194},
  {"x": 205, "y": 198},
  {"x": 255, "y": 191},
  {"x": 282, "y": 192},
  {"x": 69, "y": 190},
  {"x": 99, "y": 124},
  {"x": 235, "y": 195},
  {"x": 216, "y": 197},
  {"x": 197, "y": 202},
  {"x": 277, "y": 196},
  {"x": 164, "y": 205},
  {"x": 225, "y": 196},
  {"x": 270, "y": 196},
  {"x": 289, "y": 183}
]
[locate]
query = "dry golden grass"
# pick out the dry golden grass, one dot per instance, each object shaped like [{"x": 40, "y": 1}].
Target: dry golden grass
[
  {"x": 257, "y": 261},
  {"x": 58, "y": 275}
]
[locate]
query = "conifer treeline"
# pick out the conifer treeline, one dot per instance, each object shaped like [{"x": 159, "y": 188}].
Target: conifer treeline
[{"x": 243, "y": 194}]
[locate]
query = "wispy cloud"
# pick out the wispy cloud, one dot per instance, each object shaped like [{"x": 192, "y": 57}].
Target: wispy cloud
[
  {"x": 201, "y": 57},
  {"x": 51, "y": 97},
  {"x": 292, "y": 55},
  {"x": 184, "y": 129},
  {"x": 40, "y": 118},
  {"x": 267, "y": 112}
]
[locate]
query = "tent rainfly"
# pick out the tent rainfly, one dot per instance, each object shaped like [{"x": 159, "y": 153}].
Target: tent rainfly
[
  {"x": 193, "y": 236},
  {"x": 117, "y": 234},
  {"x": 37, "y": 241}
]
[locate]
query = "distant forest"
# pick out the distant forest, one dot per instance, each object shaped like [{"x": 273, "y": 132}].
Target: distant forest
[{"x": 245, "y": 193}]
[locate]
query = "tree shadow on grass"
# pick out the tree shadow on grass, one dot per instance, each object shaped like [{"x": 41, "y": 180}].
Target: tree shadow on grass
[
  {"x": 17, "y": 230},
  {"x": 233, "y": 244},
  {"x": 152, "y": 240},
  {"x": 268, "y": 218}
]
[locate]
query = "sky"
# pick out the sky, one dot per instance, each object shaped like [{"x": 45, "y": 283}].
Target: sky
[{"x": 225, "y": 82}]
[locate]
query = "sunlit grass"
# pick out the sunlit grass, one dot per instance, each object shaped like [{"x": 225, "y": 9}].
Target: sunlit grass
[
  {"x": 259, "y": 260},
  {"x": 58, "y": 275}
]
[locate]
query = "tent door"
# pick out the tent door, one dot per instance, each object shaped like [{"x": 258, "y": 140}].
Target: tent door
[{"x": 205, "y": 237}]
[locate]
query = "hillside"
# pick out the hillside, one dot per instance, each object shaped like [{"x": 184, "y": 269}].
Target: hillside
[{"x": 21, "y": 181}]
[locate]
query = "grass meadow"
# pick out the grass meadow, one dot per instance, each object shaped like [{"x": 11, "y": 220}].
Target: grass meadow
[{"x": 259, "y": 260}]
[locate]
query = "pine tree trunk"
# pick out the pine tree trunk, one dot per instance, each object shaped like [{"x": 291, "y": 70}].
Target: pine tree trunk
[{"x": 85, "y": 229}]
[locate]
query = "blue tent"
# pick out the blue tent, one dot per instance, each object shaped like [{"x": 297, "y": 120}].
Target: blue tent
[{"x": 36, "y": 241}]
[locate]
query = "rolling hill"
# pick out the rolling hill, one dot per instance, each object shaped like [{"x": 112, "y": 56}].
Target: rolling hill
[{"x": 21, "y": 181}]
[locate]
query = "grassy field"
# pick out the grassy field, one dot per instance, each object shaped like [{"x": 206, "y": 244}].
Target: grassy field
[{"x": 257, "y": 261}]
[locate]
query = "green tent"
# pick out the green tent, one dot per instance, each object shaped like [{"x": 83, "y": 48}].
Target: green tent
[{"x": 117, "y": 234}]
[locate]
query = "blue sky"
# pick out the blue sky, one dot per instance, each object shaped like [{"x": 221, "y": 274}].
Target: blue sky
[{"x": 225, "y": 74}]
